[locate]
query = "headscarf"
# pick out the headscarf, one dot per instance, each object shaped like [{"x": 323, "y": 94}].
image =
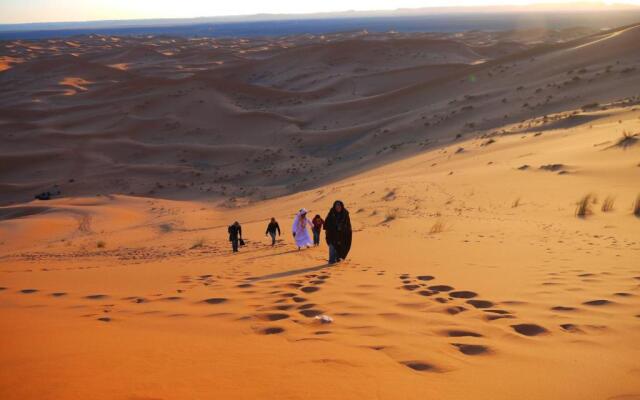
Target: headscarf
[{"x": 301, "y": 217}]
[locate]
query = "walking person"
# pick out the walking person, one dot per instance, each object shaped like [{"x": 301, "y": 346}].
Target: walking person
[
  {"x": 272, "y": 228},
  {"x": 318, "y": 222},
  {"x": 300, "y": 229},
  {"x": 337, "y": 226},
  {"x": 235, "y": 235}
]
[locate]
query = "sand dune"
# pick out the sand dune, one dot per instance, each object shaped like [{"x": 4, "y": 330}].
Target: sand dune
[{"x": 492, "y": 184}]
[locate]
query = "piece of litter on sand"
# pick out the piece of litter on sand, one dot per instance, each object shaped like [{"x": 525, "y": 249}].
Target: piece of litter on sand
[{"x": 325, "y": 319}]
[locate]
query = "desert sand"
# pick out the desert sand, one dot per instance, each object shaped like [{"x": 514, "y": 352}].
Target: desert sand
[{"x": 461, "y": 158}]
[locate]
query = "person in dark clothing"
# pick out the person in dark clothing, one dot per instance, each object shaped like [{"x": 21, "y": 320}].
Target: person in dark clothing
[
  {"x": 337, "y": 226},
  {"x": 272, "y": 228},
  {"x": 235, "y": 235},
  {"x": 318, "y": 222}
]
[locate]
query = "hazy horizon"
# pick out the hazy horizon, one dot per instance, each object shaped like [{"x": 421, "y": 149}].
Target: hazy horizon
[{"x": 73, "y": 11}]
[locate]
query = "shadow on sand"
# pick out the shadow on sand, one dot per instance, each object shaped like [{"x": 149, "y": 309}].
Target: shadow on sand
[{"x": 285, "y": 274}]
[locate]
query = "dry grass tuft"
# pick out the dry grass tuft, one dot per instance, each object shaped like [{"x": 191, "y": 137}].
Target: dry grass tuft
[
  {"x": 391, "y": 216},
  {"x": 437, "y": 227},
  {"x": 198, "y": 244},
  {"x": 607, "y": 204},
  {"x": 628, "y": 139},
  {"x": 583, "y": 208}
]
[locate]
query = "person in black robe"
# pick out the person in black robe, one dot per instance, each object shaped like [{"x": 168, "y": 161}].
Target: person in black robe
[
  {"x": 337, "y": 226},
  {"x": 235, "y": 235}
]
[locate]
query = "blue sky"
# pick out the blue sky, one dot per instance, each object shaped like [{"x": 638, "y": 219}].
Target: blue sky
[{"x": 19, "y": 11}]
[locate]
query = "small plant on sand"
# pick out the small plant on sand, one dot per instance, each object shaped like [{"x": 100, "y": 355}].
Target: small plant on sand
[
  {"x": 391, "y": 216},
  {"x": 437, "y": 227},
  {"x": 636, "y": 207},
  {"x": 166, "y": 228},
  {"x": 583, "y": 208},
  {"x": 100, "y": 244},
  {"x": 198, "y": 244},
  {"x": 628, "y": 139},
  {"x": 607, "y": 204},
  {"x": 516, "y": 203}
]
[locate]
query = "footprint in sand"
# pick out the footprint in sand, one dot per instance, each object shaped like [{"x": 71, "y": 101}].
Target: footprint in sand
[
  {"x": 571, "y": 328},
  {"x": 463, "y": 294},
  {"x": 461, "y": 333},
  {"x": 563, "y": 308},
  {"x": 215, "y": 300},
  {"x": 2, "y": 288},
  {"x": 104, "y": 319},
  {"x": 273, "y": 330},
  {"x": 298, "y": 299},
  {"x": 440, "y": 288},
  {"x": 597, "y": 302},
  {"x": 480, "y": 303},
  {"x": 58, "y": 294},
  {"x": 28, "y": 291},
  {"x": 96, "y": 297},
  {"x": 471, "y": 349},
  {"x": 455, "y": 310},
  {"x": 420, "y": 366},
  {"x": 273, "y": 317},
  {"x": 425, "y": 277},
  {"x": 311, "y": 313},
  {"x": 410, "y": 287},
  {"x": 309, "y": 289},
  {"x": 529, "y": 329}
]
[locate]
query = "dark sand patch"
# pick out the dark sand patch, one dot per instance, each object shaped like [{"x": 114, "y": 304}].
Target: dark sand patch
[
  {"x": 273, "y": 330},
  {"x": 529, "y": 329},
  {"x": 461, "y": 333},
  {"x": 441, "y": 288},
  {"x": 96, "y": 297},
  {"x": 471, "y": 349},
  {"x": 480, "y": 303},
  {"x": 420, "y": 366},
  {"x": 215, "y": 300},
  {"x": 599, "y": 302},
  {"x": 463, "y": 294}
]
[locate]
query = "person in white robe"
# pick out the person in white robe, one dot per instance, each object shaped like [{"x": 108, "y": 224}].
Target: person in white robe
[{"x": 300, "y": 229}]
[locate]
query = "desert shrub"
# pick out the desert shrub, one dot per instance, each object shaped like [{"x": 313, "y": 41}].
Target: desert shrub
[
  {"x": 390, "y": 216},
  {"x": 199, "y": 243},
  {"x": 607, "y": 204},
  {"x": 437, "y": 227},
  {"x": 583, "y": 208},
  {"x": 628, "y": 139}
]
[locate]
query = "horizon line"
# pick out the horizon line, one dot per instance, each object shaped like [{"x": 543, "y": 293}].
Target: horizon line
[{"x": 539, "y": 6}]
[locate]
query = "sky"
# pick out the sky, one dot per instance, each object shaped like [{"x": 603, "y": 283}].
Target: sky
[{"x": 25, "y": 11}]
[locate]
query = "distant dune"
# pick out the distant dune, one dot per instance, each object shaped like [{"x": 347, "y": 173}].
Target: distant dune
[{"x": 100, "y": 114}]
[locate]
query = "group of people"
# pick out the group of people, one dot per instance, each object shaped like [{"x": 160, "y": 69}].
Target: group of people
[{"x": 337, "y": 227}]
